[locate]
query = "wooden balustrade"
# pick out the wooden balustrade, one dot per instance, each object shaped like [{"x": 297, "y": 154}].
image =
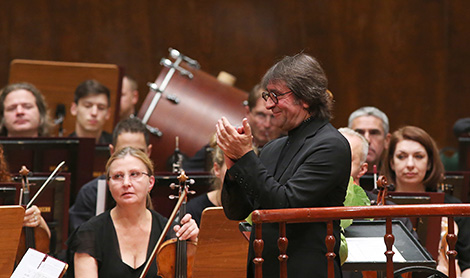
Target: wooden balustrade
[{"x": 329, "y": 214}]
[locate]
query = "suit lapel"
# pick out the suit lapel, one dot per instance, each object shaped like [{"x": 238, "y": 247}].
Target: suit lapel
[{"x": 296, "y": 142}]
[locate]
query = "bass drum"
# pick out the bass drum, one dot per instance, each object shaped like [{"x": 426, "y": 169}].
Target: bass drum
[{"x": 201, "y": 101}]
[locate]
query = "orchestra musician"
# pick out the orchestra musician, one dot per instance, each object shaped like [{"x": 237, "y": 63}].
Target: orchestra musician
[
  {"x": 129, "y": 98},
  {"x": 373, "y": 124},
  {"x": 91, "y": 107},
  {"x": 118, "y": 242},
  {"x": 23, "y": 111},
  {"x": 196, "y": 205},
  {"x": 32, "y": 217},
  {"x": 412, "y": 164},
  {"x": 308, "y": 168},
  {"x": 130, "y": 132}
]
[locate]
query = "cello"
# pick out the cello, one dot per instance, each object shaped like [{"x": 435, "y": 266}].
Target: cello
[
  {"x": 36, "y": 237},
  {"x": 174, "y": 257}
]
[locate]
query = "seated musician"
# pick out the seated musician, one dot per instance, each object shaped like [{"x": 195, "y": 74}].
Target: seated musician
[
  {"x": 23, "y": 111},
  {"x": 212, "y": 198},
  {"x": 412, "y": 164},
  {"x": 130, "y": 132},
  {"x": 32, "y": 217},
  {"x": 118, "y": 242},
  {"x": 373, "y": 124},
  {"x": 91, "y": 107},
  {"x": 129, "y": 98}
]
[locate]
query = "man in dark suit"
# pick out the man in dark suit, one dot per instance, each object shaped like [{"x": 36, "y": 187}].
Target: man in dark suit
[{"x": 308, "y": 168}]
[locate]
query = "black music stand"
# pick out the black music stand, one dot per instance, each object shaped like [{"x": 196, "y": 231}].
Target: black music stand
[
  {"x": 410, "y": 249},
  {"x": 43, "y": 154},
  {"x": 53, "y": 202}
]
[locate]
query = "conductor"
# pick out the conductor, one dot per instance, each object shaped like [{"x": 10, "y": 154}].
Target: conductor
[{"x": 308, "y": 168}]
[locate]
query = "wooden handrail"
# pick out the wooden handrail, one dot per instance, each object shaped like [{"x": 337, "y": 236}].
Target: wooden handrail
[{"x": 329, "y": 214}]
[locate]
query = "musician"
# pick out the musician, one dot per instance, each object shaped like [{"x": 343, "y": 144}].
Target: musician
[
  {"x": 130, "y": 132},
  {"x": 23, "y": 111},
  {"x": 196, "y": 205},
  {"x": 129, "y": 97},
  {"x": 412, "y": 164},
  {"x": 374, "y": 126},
  {"x": 118, "y": 242},
  {"x": 359, "y": 150},
  {"x": 32, "y": 217},
  {"x": 91, "y": 107},
  {"x": 308, "y": 168},
  {"x": 260, "y": 119}
]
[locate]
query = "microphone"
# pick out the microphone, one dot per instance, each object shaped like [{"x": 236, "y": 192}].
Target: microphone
[
  {"x": 59, "y": 118},
  {"x": 59, "y": 114}
]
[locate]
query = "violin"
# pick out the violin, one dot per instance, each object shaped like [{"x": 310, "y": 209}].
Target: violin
[
  {"x": 174, "y": 257},
  {"x": 36, "y": 237}
]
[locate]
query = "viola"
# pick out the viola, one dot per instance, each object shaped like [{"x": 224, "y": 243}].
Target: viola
[{"x": 36, "y": 237}]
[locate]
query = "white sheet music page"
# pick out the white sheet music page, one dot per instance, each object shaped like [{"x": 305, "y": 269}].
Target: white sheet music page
[
  {"x": 35, "y": 264},
  {"x": 370, "y": 249}
]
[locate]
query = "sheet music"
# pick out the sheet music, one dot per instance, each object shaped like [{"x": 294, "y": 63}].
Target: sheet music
[
  {"x": 370, "y": 249},
  {"x": 35, "y": 264}
]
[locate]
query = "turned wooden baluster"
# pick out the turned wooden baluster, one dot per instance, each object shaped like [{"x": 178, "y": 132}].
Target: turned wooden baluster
[
  {"x": 451, "y": 241},
  {"x": 282, "y": 243},
  {"x": 258, "y": 245},
  {"x": 330, "y": 247},
  {"x": 389, "y": 239}
]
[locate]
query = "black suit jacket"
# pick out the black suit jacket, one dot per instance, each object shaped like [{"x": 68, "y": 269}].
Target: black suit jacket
[{"x": 313, "y": 173}]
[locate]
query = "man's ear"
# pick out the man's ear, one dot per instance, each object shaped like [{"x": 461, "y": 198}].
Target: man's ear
[
  {"x": 108, "y": 114},
  {"x": 149, "y": 150},
  {"x": 364, "y": 168},
  {"x": 247, "y": 110},
  {"x": 135, "y": 97},
  {"x": 387, "y": 140},
  {"x": 73, "y": 109}
]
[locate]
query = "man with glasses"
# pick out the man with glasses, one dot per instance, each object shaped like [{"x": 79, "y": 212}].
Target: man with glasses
[
  {"x": 308, "y": 168},
  {"x": 260, "y": 119}
]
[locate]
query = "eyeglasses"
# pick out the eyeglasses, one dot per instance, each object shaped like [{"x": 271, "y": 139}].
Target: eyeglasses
[
  {"x": 273, "y": 96},
  {"x": 133, "y": 176}
]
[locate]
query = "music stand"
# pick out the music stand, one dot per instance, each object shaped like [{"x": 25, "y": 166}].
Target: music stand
[
  {"x": 43, "y": 154},
  {"x": 222, "y": 249},
  {"x": 427, "y": 228},
  {"x": 410, "y": 249},
  {"x": 11, "y": 218}
]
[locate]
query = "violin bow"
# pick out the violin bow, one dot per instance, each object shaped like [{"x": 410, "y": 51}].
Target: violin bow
[{"x": 50, "y": 178}]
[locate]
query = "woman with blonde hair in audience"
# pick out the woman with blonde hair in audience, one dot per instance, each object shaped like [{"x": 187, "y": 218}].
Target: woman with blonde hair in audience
[{"x": 412, "y": 164}]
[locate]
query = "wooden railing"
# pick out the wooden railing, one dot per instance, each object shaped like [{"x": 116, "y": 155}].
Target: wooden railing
[{"x": 329, "y": 214}]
